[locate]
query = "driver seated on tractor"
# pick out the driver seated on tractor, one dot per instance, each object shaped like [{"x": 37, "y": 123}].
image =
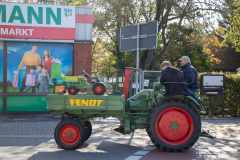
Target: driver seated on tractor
[{"x": 171, "y": 74}]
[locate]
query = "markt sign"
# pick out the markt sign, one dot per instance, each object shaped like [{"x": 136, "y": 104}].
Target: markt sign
[{"x": 33, "y": 21}]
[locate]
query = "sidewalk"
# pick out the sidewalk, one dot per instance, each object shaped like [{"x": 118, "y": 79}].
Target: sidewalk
[{"x": 28, "y": 126}]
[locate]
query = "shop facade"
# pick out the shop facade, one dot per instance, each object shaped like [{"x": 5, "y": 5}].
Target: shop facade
[{"x": 38, "y": 45}]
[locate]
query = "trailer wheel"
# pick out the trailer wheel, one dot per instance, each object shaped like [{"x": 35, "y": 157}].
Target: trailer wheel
[
  {"x": 88, "y": 128},
  {"x": 99, "y": 89},
  {"x": 72, "y": 90},
  {"x": 174, "y": 126},
  {"x": 70, "y": 134}
]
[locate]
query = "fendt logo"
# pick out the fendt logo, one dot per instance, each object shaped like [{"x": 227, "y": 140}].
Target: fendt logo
[
  {"x": 83, "y": 102},
  {"x": 68, "y": 12}
]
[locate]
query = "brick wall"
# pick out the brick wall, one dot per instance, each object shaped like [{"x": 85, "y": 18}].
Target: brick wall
[{"x": 82, "y": 59}]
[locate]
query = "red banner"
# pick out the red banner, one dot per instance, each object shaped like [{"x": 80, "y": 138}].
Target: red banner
[{"x": 37, "y": 32}]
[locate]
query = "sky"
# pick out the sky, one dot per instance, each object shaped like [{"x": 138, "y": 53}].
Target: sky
[{"x": 16, "y": 50}]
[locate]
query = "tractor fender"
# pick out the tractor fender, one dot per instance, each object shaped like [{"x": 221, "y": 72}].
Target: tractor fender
[
  {"x": 100, "y": 83},
  {"x": 187, "y": 99}
]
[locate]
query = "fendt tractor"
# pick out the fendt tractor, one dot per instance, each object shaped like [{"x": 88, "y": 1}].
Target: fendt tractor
[
  {"x": 172, "y": 123},
  {"x": 80, "y": 82}
]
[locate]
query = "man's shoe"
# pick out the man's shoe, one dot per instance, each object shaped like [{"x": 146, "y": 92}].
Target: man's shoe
[{"x": 202, "y": 112}]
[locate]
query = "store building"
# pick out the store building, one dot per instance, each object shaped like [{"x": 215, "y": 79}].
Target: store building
[{"x": 33, "y": 34}]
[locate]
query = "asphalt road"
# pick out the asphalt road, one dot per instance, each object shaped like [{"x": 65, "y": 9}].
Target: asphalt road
[{"x": 106, "y": 144}]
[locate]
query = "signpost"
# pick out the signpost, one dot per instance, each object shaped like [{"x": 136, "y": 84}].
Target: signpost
[{"x": 140, "y": 36}]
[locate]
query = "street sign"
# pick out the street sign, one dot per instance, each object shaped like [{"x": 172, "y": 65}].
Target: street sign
[
  {"x": 141, "y": 36},
  {"x": 147, "y": 36},
  {"x": 149, "y": 28},
  {"x": 149, "y": 42}
]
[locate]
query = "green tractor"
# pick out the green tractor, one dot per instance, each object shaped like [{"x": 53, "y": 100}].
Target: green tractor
[
  {"x": 80, "y": 82},
  {"x": 172, "y": 123}
]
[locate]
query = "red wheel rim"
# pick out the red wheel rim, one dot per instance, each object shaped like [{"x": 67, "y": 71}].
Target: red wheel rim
[
  {"x": 174, "y": 126},
  {"x": 98, "y": 89},
  {"x": 72, "y": 90},
  {"x": 69, "y": 134}
]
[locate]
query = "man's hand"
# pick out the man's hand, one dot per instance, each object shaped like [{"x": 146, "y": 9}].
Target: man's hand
[
  {"x": 18, "y": 69},
  {"x": 31, "y": 70}
]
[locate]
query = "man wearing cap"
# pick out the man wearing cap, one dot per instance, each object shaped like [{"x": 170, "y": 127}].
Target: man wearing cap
[
  {"x": 171, "y": 74},
  {"x": 190, "y": 76}
]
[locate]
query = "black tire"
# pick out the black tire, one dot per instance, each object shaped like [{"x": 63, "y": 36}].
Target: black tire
[
  {"x": 96, "y": 87},
  {"x": 162, "y": 115},
  {"x": 75, "y": 128},
  {"x": 88, "y": 128},
  {"x": 72, "y": 90}
]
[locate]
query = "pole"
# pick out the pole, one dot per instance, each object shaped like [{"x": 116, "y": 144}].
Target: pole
[{"x": 137, "y": 65}]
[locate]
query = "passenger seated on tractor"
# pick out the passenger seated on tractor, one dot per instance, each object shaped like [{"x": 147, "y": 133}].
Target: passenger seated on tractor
[
  {"x": 171, "y": 74},
  {"x": 190, "y": 75}
]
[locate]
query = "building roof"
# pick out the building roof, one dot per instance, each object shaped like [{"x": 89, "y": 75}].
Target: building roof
[{"x": 230, "y": 59}]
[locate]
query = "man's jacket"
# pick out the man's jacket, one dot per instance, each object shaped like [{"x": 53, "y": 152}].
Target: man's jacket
[
  {"x": 171, "y": 74},
  {"x": 190, "y": 76}
]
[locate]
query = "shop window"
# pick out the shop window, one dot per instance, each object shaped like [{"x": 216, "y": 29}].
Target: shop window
[{"x": 37, "y": 67}]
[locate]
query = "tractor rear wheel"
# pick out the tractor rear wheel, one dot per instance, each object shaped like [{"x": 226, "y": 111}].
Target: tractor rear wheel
[
  {"x": 88, "y": 128},
  {"x": 72, "y": 90},
  {"x": 70, "y": 134},
  {"x": 99, "y": 89},
  {"x": 174, "y": 125}
]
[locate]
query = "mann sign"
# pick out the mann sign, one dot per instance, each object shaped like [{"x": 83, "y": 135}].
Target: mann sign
[{"x": 37, "y": 21}]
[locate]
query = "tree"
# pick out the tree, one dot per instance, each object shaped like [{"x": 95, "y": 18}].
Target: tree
[
  {"x": 112, "y": 14},
  {"x": 231, "y": 21},
  {"x": 188, "y": 42}
]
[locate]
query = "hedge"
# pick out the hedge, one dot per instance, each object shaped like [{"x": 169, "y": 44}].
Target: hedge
[{"x": 229, "y": 103}]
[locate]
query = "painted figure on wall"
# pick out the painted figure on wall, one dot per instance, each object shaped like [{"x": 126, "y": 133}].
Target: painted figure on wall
[
  {"x": 31, "y": 59},
  {"x": 47, "y": 61}
]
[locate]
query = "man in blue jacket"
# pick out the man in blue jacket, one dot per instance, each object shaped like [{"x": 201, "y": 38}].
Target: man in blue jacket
[{"x": 190, "y": 76}]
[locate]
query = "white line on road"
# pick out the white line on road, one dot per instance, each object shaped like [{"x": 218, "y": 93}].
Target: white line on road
[
  {"x": 141, "y": 153},
  {"x": 134, "y": 158}
]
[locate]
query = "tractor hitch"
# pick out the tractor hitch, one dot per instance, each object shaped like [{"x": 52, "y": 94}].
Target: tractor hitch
[{"x": 206, "y": 133}]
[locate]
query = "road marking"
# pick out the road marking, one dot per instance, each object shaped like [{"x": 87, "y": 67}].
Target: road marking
[
  {"x": 26, "y": 136},
  {"x": 134, "y": 158},
  {"x": 142, "y": 153},
  {"x": 149, "y": 148}
]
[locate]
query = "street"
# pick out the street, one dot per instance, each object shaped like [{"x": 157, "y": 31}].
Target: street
[{"x": 33, "y": 139}]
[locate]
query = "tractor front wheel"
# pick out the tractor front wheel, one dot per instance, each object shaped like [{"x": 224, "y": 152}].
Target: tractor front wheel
[
  {"x": 70, "y": 134},
  {"x": 72, "y": 90},
  {"x": 99, "y": 89},
  {"x": 174, "y": 126}
]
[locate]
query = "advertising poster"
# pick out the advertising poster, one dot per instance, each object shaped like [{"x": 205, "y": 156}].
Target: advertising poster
[
  {"x": 1, "y": 66},
  {"x": 38, "y": 67}
]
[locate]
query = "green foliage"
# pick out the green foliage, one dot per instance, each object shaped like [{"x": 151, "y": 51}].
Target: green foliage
[
  {"x": 186, "y": 43},
  {"x": 230, "y": 101},
  {"x": 111, "y": 15},
  {"x": 231, "y": 23}
]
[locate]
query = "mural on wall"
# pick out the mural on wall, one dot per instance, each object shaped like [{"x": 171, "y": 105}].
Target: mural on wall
[
  {"x": 38, "y": 67},
  {"x": 1, "y": 66}
]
